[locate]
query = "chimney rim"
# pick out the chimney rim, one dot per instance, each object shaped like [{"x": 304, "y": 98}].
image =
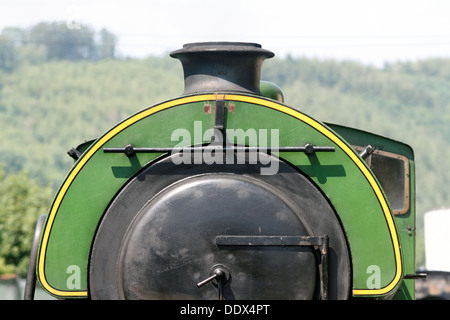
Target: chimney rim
[{"x": 221, "y": 47}]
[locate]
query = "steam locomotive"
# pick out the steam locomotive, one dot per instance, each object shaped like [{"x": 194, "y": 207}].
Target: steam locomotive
[{"x": 225, "y": 192}]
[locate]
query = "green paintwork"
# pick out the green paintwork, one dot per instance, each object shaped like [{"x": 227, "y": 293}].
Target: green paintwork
[
  {"x": 272, "y": 91},
  {"x": 405, "y": 222},
  {"x": 104, "y": 174}
]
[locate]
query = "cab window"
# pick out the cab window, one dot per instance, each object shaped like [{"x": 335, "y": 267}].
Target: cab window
[{"x": 392, "y": 171}]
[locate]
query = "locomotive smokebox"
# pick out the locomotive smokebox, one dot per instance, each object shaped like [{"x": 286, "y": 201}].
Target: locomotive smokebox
[{"x": 221, "y": 66}]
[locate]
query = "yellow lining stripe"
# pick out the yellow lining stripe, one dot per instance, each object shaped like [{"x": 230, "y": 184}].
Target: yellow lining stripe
[{"x": 184, "y": 100}]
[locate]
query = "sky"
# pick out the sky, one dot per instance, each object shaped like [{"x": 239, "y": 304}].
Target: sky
[{"x": 371, "y": 32}]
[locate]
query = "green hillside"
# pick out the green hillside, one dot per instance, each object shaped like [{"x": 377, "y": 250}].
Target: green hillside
[
  {"x": 49, "y": 104},
  {"x": 47, "y": 108}
]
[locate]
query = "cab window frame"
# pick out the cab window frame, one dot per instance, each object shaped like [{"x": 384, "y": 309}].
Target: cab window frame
[{"x": 406, "y": 176}]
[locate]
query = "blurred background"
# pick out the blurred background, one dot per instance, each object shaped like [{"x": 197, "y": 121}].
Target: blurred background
[{"x": 70, "y": 70}]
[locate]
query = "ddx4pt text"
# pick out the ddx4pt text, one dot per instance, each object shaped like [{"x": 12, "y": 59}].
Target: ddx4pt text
[{"x": 246, "y": 309}]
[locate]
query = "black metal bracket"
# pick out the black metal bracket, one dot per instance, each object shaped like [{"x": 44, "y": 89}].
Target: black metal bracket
[
  {"x": 416, "y": 276},
  {"x": 74, "y": 153},
  {"x": 131, "y": 150},
  {"x": 220, "y": 116},
  {"x": 321, "y": 242}
]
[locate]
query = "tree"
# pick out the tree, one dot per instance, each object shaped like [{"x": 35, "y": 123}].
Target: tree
[
  {"x": 53, "y": 41},
  {"x": 107, "y": 46},
  {"x": 22, "y": 201},
  {"x": 8, "y": 54},
  {"x": 63, "y": 42}
]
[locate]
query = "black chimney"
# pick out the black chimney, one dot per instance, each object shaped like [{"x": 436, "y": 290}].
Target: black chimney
[{"x": 221, "y": 66}]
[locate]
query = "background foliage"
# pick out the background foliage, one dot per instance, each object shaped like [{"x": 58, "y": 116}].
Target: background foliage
[
  {"x": 60, "y": 87},
  {"x": 21, "y": 202}
]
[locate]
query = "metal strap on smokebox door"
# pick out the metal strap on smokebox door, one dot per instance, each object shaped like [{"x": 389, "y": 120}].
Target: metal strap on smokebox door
[{"x": 321, "y": 242}]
